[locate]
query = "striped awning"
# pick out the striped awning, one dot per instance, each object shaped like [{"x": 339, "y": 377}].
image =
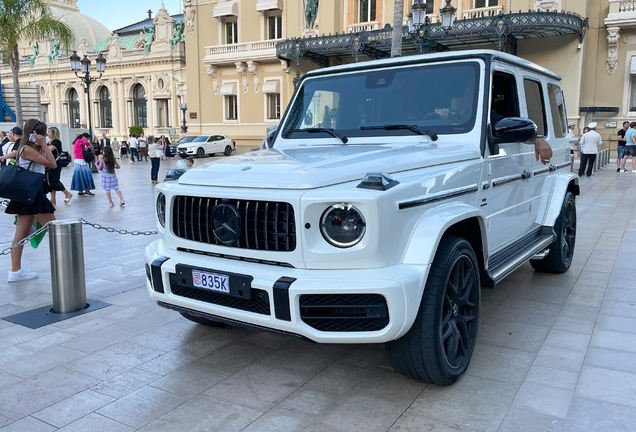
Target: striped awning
[
  {"x": 228, "y": 8},
  {"x": 228, "y": 89},
  {"x": 265, "y": 5},
  {"x": 271, "y": 86}
]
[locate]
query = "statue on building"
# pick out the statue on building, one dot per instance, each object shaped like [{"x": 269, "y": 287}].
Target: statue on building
[
  {"x": 311, "y": 13},
  {"x": 189, "y": 13},
  {"x": 114, "y": 47},
  {"x": 83, "y": 48},
  {"x": 177, "y": 36},
  {"x": 55, "y": 51},
  {"x": 149, "y": 38},
  {"x": 36, "y": 52}
]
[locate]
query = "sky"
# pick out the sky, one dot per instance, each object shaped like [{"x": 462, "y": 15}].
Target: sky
[{"x": 116, "y": 14}]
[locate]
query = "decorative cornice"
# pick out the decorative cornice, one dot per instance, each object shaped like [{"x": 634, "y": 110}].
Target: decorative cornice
[
  {"x": 613, "y": 34},
  {"x": 213, "y": 71},
  {"x": 242, "y": 71},
  {"x": 253, "y": 67}
]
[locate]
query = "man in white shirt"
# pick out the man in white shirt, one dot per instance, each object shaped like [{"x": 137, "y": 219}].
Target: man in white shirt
[
  {"x": 14, "y": 136},
  {"x": 143, "y": 147},
  {"x": 589, "y": 149},
  {"x": 134, "y": 151},
  {"x": 5, "y": 140}
]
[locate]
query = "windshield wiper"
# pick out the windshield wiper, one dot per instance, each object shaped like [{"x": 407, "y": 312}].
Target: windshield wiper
[
  {"x": 412, "y": 128},
  {"x": 329, "y": 131}
]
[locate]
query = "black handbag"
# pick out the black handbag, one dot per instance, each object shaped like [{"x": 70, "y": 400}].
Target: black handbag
[
  {"x": 20, "y": 184},
  {"x": 88, "y": 154},
  {"x": 63, "y": 159}
]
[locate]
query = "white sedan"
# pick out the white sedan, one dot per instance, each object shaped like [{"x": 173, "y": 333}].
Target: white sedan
[{"x": 207, "y": 145}]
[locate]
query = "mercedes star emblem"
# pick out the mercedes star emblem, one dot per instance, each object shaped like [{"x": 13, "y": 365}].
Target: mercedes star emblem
[{"x": 226, "y": 224}]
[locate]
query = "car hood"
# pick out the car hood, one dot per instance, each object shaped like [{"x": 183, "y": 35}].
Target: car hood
[{"x": 319, "y": 166}]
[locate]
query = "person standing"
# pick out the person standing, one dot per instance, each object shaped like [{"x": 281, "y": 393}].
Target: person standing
[
  {"x": 107, "y": 165},
  {"x": 630, "y": 146},
  {"x": 155, "y": 159},
  {"x": 4, "y": 139},
  {"x": 143, "y": 147},
  {"x": 589, "y": 149},
  {"x": 33, "y": 153},
  {"x": 116, "y": 147},
  {"x": 571, "y": 138},
  {"x": 15, "y": 135},
  {"x": 82, "y": 175},
  {"x": 166, "y": 147},
  {"x": 53, "y": 184},
  {"x": 134, "y": 151},
  {"x": 105, "y": 141},
  {"x": 620, "y": 149}
]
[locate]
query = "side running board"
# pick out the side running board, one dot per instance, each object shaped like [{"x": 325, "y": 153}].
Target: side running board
[{"x": 507, "y": 260}]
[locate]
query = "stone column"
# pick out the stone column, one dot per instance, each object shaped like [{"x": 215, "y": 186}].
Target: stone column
[
  {"x": 150, "y": 106},
  {"x": 54, "y": 102},
  {"x": 82, "y": 106},
  {"x": 121, "y": 101},
  {"x": 114, "y": 98}
]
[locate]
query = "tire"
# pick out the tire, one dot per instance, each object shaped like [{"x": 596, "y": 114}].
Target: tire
[
  {"x": 201, "y": 320},
  {"x": 200, "y": 152},
  {"x": 447, "y": 321},
  {"x": 228, "y": 151},
  {"x": 561, "y": 252}
]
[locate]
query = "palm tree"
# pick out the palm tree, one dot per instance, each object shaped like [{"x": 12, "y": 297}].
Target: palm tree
[
  {"x": 396, "y": 42},
  {"x": 27, "y": 20}
]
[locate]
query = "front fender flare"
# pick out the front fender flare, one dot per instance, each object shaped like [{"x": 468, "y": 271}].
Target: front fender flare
[
  {"x": 555, "y": 198},
  {"x": 433, "y": 224}
]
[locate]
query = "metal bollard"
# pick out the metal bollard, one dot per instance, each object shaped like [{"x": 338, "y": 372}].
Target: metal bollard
[{"x": 66, "y": 243}]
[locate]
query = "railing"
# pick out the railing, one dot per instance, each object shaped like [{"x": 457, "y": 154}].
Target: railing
[
  {"x": 363, "y": 26},
  {"x": 627, "y": 6},
  {"x": 230, "y": 49},
  {"x": 483, "y": 12}
]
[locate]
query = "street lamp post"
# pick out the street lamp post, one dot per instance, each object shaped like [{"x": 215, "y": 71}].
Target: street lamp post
[
  {"x": 420, "y": 24},
  {"x": 184, "y": 107},
  {"x": 84, "y": 65}
]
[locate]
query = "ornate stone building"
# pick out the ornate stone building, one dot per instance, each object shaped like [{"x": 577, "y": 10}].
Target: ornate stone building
[{"x": 143, "y": 83}]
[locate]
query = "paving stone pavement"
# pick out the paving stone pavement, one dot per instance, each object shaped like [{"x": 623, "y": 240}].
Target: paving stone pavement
[{"x": 555, "y": 352}]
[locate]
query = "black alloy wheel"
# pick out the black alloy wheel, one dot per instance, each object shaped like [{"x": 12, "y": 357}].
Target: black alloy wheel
[
  {"x": 559, "y": 259},
  {"x": 200, "y": 152},
  {"x": 228, "y": 151},
  {"x": 438, "y": 347}
]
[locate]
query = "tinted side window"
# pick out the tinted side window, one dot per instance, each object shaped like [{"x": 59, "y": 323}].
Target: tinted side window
[
  {"x": 534, "y": 102},
  {"x": 220, "y": 138},
  {"x": 557, "y": 110},
  {"x": 505, "y": 102}
]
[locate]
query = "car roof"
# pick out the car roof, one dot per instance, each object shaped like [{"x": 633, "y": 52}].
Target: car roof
[{"x": 435, "y": 57}]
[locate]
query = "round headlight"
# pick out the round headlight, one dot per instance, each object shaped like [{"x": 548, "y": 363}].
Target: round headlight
[
  {"x": 342, "y": 225},
  {"x": 161, "y": 209}
]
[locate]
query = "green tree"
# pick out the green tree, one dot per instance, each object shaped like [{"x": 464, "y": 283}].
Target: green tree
[
  {"x": 136, "y": 131},
  {"x": 27, "y": 20}
]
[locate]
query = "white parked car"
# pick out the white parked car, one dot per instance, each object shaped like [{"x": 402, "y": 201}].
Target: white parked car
[
  {"x": 207, "y": 145},
  {"x": 395, "y": 191}
]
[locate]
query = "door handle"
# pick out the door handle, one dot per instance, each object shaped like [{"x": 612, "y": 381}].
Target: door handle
[{"x": 526, "y": 175}]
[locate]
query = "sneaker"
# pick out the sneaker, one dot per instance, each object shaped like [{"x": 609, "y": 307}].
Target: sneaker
[
  {"x": 624, "y": 170},
  {"x": 111, "y": 204},
  {"x": 91, "y": 194},
  {"x": 81, "y": 194},
  {"x": 618, "y": 170},
  {"x": 21, "y": 275}
]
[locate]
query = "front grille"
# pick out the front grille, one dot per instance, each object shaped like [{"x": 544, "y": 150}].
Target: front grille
[
  {"x": 259, "y": 303},
  {"x": 265, "y": 225},
  {"x": 344, "y": 312}
]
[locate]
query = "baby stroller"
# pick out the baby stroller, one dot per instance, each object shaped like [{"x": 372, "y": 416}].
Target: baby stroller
[{"x": 124, "y": 151}]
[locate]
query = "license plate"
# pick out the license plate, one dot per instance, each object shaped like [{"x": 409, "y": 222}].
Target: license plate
[{"x": 211, "y": 281}]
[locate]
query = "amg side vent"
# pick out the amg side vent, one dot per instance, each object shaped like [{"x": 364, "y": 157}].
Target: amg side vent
[{"x": 344, "y": 312}]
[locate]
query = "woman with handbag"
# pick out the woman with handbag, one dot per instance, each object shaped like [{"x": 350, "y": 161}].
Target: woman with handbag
[
  {"x": 82, "y": 176},
  {"x": 33, "y": 157},
  {"x": 53, "y": 183}
]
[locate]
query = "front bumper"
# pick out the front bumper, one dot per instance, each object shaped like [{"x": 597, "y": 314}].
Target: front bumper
[
  {"x": 186, "y": 151},
  {"x": 400, "y": 285}
]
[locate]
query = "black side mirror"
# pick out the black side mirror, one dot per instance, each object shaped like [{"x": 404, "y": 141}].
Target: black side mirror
[
  {"x": 174, "y": 174},
  {"x": 510, "y": 130}
]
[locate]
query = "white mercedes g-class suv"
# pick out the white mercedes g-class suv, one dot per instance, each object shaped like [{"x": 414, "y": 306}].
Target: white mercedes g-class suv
[{"x": 393, "y": 192}]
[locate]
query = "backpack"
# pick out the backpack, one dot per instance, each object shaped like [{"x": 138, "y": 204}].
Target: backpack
[{"x": 63, "y": 159}]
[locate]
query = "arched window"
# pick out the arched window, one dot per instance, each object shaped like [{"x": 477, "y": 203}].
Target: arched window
[
  {"x": 105, "y": 108},
  {"x": 74, "y": 109},
  {"x": 139, "y": 102}
]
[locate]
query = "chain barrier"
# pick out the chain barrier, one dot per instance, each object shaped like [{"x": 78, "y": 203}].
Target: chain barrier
[
  {"x": 24, "y": 241},
  {"x": 4, "y": 203},
  {"x": 113, "y": 230}
]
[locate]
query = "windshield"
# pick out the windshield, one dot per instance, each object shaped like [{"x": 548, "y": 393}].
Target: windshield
[
  {"x": 185, "y": 140},
  {"x": 441, "y": 98},
  {"x": 202, "y": 138}
]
